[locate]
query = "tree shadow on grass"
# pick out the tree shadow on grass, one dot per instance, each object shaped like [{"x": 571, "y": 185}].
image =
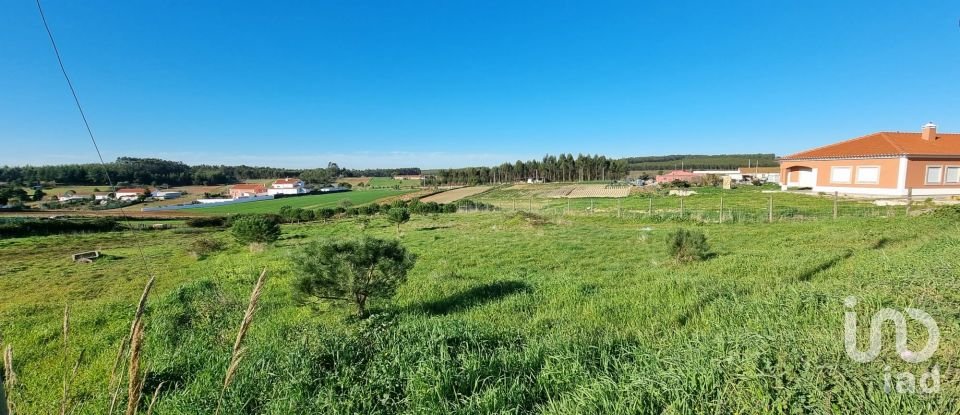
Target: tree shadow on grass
[{"x": 473, "y": 297}]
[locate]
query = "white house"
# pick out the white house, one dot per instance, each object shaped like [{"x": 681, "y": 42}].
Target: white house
[
  {"x": 288, "y": 187},
  {"x": 131, "y": 193},
  {"x": 72, "y": 198},
  {"x": 101, "y": 195}
]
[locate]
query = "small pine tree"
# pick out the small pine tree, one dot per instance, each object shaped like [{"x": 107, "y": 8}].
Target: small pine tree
[
  {"x": 398, "y": 216},
  {"x": 255, "y": 229},
  {"x": 352, "y": 270},
  {"x": 687, "y": 245}
]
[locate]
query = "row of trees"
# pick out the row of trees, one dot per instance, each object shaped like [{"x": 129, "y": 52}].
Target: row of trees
[
  {"x": 701, "y": 162},
  {"x": 562, "y": 168},
  {"x": 149, "y": 171}
]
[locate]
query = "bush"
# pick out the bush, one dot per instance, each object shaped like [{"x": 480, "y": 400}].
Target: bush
[
  {"x": 207, "y": 222},
  {"x": 686, "y": 245},
  {"x": 271, "y": 217},
  {"x": 205, "y": 246},
  {"x": 352, "y": 270},
  {"x": 33, "y": 227},
  {"x": 255, "y": 229}
]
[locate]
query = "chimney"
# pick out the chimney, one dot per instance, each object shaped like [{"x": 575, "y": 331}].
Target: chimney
[{"x": 929, "y": 132}]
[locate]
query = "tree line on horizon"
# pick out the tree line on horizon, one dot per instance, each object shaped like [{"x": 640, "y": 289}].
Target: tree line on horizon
[
  {"x": 150, "y": 171},
  {"x": 562, "y": 168}
]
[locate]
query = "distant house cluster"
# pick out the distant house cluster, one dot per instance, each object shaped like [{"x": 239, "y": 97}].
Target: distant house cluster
[
  {"x": 742, "y": 174},
  {"x": 288, "y": 186},
  {"x": 126, "y": 194}
]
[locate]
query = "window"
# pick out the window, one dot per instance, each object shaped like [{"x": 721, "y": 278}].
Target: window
[
  {"x": 840, "y": 175},
  {"x": 953, "y": 175},
  {"x": 868, "y": 175},
  {"x": 933, "y": 174}
]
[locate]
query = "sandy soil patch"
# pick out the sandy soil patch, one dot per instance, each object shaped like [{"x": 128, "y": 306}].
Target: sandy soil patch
[{"x": 456, "y": 194}]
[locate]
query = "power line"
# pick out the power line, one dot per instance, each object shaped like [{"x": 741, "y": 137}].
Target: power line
[{"x": 83, "y": 115}]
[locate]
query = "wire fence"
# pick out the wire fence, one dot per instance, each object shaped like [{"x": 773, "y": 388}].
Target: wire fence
[{"x": 660, "y": 209}]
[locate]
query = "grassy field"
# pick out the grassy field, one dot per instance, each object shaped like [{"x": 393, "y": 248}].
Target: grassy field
[
  {"x": 749, "y": 203},
  {"x": 307, "y": 202},
  {"x": 583, "y": 315}
]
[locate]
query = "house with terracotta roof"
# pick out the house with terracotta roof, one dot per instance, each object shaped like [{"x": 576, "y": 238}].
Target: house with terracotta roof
[
  {"x": 288, "y": 186},
  {"x": 242, "y": 190},
  {"x": 681, "y": 175},
  {"x": 924, "y": 163}
]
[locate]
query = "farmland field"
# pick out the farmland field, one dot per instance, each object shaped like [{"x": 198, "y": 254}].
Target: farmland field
[
  {"x": 377, "y": 182},
  {"x": 582, "y": 314},
  {"x": 455, "y": 194},
  {"x": 306, "y": 202}
]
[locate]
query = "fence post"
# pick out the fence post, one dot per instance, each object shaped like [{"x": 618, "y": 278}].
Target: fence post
[
  {"x": 681, "y": 207},
  {"x": 650, "y": 207},
  {"x": 567, "y": 212},
  {"x": 836, "y": 198},
  {"x": 591, "y": 206},
  {"x": 909, "y": 201},
  {"x": 721, "y": 208},
  {"x": 770, "y": 210},
  {"x": 619, "y": 212}
]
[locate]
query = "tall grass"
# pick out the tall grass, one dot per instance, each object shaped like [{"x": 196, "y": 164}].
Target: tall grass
[{"x": 579, "y": 316}]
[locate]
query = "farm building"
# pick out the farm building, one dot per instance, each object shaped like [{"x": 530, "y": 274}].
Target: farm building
[
  {"x": 101, "y": 195},
  {"x": 288, "y": 186},
  {"x": 131, "y": 193},
  {"x": 238, "y": 191},
  {"x": 764, "y": 174},
  {"x": 167, "y": 194},
  {"x": 681, "y": 175},
  {"x": 72, "y": 197},
  {"x": 885, "y": 163}
]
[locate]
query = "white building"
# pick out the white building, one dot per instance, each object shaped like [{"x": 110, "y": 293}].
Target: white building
[
  {"x": 101, "y": 195},
  {"x": 166, "y": 194},
  {"x": 131, "y": 193},
  {"x": 288, "y": 187}
]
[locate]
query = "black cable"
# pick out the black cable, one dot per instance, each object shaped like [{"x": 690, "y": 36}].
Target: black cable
[{"x": 83, "y": 115}]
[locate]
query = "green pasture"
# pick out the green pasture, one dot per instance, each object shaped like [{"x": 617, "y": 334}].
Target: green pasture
[{"x": 582, "y": 315}]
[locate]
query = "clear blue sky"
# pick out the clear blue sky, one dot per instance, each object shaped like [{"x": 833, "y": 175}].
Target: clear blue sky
[{"x": 454, "y": 83}]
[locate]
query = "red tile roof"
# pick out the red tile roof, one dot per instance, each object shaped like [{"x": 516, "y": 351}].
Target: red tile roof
[
  {"x": 252, "y": 186},
  {"x": 889, "y": 144},
  {"x": 286, "y": 181}
]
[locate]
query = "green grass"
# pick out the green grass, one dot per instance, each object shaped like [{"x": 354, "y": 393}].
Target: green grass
[
  {"x": 359, "y": 197},
  {"x": 500, "y": 315},
  {"x": 746, "y": 203}
]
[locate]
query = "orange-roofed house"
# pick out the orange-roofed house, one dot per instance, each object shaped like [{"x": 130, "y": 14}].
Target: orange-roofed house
[
  {"x": 924, "y": 163},
  {"x": 241, "y": 190}
]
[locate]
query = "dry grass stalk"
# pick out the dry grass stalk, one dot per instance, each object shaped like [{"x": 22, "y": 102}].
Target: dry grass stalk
[
  {"x": 135, "y": 382},
  {"x": 117, "y": 381},
  {"x": 64, "y": 401},
  {"x": 9, "y": 376},
  {"x": 238, "y": 350},
  {"x": 153, "y": 401}
]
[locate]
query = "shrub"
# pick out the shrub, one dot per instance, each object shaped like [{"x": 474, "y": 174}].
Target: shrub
[
  {"x": 352, "y": 270},
  {"x": 33, "y": 227},
  {"x": 206, "y": 222},
  {"x": 255, "y": 229},
  {"x": 270, "y": 217},
  {"x": 686, "y": 245},
  {"x": 398, "y": 216},
  {"x": 202, "y": 247}
]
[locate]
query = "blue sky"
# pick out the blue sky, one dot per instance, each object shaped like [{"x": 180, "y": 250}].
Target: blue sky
[{"x": 456, "y": 83}]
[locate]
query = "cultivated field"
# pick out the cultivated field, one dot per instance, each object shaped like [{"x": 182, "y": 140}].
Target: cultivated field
[
  {"x": 583, "y": 314},
  {"x": 356, "y": 198},
  {"x": 376, "y": 182},
  {"x": 455, "y": 194}
]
